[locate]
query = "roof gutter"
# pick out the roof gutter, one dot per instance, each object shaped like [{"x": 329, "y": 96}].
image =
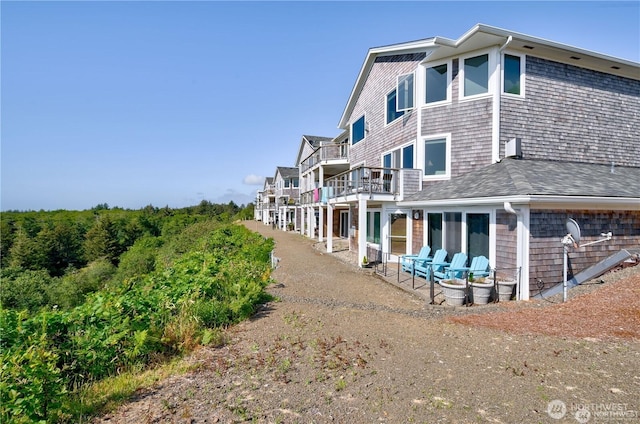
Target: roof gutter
[
  {"x": 497, "y": 98},
  {"x": 590, "y": 202}
]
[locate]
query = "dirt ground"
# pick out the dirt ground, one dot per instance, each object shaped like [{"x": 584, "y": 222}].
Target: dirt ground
[{"x": 344, "y": 346}]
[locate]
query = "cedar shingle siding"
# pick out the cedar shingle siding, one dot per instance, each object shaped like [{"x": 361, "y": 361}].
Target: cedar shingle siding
[
  {"x": 381, "y": 80},
  {"x": 548, "y": 227},
  {"x": 574, "y": 114}
]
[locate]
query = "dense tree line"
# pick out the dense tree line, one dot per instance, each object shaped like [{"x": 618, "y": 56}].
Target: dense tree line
[
  {"x": 58, "y": 257},
  {"x": 88, "y": 295}
]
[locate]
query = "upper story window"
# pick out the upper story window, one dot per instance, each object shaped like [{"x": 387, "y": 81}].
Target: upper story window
[
  {"x": 405, "y": 92},
  {"x": 399, "y": 158},
  {"x": 291, "y": 182},
  {"x": 476, "y": 75},
  {"x": 513, "y": 77},
  {"x": 392, "y": 111},
  {"x": 437, "y": 156},
  {"x": 437, "y": 83},
  {"x": 357, "y": 130}
]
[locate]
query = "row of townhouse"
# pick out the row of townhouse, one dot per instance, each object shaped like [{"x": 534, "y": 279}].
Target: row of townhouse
[{"x": 486, "y": 144}]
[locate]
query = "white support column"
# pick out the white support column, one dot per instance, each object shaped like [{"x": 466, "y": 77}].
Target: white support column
[
  {"x": 523, "y": 252},
  {"x": 362, "y": 229},
  {"x": 321, "y": 209},
  {"x": 309, "y": 229},
  {"x": 320, "y": 223},
  {"x": 329, "y": 227}
]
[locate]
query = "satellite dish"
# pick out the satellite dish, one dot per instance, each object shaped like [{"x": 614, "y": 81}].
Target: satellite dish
[
  {"x": 574, "y": 229},
  {"x": 573, "y": 237}
]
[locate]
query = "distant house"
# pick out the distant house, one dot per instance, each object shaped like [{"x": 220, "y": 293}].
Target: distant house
[
  {"x": 286, "y": 184},
  {"x": 485, "y": 144},
  {"x": 265, "y": 208},
  {"x": 320, "y": 158}
]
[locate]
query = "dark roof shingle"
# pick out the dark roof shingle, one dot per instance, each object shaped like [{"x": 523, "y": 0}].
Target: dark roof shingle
[{"x": 522, "y": 177}]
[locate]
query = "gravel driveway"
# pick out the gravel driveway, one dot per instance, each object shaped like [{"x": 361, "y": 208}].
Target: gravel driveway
[{"x": 344, "y": 346}]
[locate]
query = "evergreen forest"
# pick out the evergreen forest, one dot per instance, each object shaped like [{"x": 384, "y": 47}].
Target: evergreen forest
[{"x": 88, "y": 295}]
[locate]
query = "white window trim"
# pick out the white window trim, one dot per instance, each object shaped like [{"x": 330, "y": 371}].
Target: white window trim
[
  {"x": 492, "y": 231},
  {"x": 491, "y": 68},
  {"x": 364, "y": 115},
  {"x": 463, "y": 228},
  {"x": 413, "y": 94},
  {"x": 523, "y": 67},
  {"x": 420, "y": 154},
  {"x": 386, "y": 108},
  {"x": 448, "y": 100},
  {"x": 400, "y": 146},
  {"x": 374, "y": 210}
]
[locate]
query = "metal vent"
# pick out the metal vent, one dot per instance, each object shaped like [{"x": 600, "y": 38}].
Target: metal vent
[{"x": 513, "y": 148}]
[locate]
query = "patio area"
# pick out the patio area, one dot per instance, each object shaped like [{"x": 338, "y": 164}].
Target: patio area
[{"x": 391, "y": 273}]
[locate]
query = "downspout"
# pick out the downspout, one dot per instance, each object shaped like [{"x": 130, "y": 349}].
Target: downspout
[
  {"x": 497, "y": 96},
  {"x": 519, "y": 257}
]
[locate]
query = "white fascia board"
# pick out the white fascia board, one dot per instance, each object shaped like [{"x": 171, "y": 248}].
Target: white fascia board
[
  {"x": 542, "y": 41},
  {"x": 586, "y": 202},
  {"x": 483, "y": 36},
  {"x": 537, "y": 202},
  {"x": 477, "y": 201}
]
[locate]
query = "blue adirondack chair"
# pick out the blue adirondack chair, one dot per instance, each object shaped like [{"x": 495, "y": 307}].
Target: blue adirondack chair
[
  {"x": 407, "y": 261},
  {"x": 451, "y": 270},
  {"x": 479, "y": 267},
  {"x": 422, "y": 268}
]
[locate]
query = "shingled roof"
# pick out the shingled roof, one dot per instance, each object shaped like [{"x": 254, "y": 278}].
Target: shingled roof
[
  {"x": 522, "y": 177},
  {"x": 287, "y": 172},
  {"x": 315, "y": 140}
]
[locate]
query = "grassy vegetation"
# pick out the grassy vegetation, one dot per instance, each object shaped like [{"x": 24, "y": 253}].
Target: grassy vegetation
[{"x": 73, "y": 344}]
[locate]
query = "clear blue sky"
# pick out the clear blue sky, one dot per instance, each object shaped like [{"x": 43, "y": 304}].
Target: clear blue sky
[{"x": 170, "y": 103}]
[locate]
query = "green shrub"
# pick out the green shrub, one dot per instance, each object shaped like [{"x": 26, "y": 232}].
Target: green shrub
[
  {"x": 24, "y": 289},
  {"x": 218, "y": 281}
]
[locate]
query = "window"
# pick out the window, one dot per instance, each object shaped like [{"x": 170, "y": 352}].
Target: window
[
  {"x": 373, "y": 227},
  {"x": 476, "y": 75},
  {"x": 434, "y": 234},
  {"x": 437, "y": 83},
  {"x": 453, "y": 232},
  {"x": 405, "y": 92},
  {"x": 512, "y": 74},
  {"x": 477, "y": 235},
  {"x": 392, "y": 111},
  {"x": 399, "y": 158},
  {"x": 296, "y": 182},
  {"x": 407, "y": 157},
  {"x": 357, "y": 130},
  {"x": 435, "y": 157}
]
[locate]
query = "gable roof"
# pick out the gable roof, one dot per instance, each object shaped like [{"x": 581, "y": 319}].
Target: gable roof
[
  {"x": 287, "y": 172},
  {"x": 313, "y": 141},
  {"x": 483, "y": 36},
  {"x": 536, "y": 178}
]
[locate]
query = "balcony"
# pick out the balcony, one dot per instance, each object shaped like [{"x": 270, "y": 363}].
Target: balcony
[
  {"x": 384, "y": 183},
  {"x": 326, "y": 153}
]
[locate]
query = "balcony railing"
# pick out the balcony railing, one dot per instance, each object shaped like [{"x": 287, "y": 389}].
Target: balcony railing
[
  {"x": 326, "y": 152},
  {"x": 367, "y": 180}
]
